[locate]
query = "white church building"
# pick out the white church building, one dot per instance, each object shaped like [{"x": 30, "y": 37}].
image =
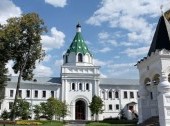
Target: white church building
[
  {"x": 154, "y": 72},
  {"x": 79, "y": 81}
]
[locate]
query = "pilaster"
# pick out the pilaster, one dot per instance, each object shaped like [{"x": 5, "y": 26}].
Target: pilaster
[
  {"x": 164, "y": 101},
  {"x": 143, "y": 93}
]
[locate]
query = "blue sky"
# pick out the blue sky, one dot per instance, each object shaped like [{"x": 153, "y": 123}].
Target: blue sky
[{"x": 117, "y": 32}]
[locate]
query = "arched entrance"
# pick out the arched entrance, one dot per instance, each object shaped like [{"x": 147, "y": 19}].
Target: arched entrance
[{"x": 80, "y": 110}]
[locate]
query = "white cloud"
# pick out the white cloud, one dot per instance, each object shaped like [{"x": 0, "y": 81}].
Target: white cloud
[
  {"x": 105, "y": 49},
  {"x": 55, "y": 40},
  {"x": 111, "y": 10},
  {"x": 7, "y": 10},
  {"x": 136, "y": 51},
  {"x": 42, "y": 70},
  {"x": 47, "y": 58},
  {"x": 98, "y": 62},
  {"x": 123, "y": 70},
  {"x": 57, "y": 3},
  {"x": 130, "y": 15},
  {"x": 58, "y": 63},
  {"x": 103, "y": 75},
  {"x": 9, "y": 65},
  {"x": 103, "y": 35},
  {"x": 106, "y": 38}
]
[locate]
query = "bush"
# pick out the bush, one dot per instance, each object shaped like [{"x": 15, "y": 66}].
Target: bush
[{"x": 5, "y": 115}]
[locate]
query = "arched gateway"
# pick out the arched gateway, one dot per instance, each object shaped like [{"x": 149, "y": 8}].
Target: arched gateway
[{"x": 80, "y": 110}]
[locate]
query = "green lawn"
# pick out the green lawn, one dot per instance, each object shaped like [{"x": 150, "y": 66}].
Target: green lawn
[
  {"x": 113, "y": 123},
  {"x": 43, "y": 123},
  {"x": 107, "y": 124}
]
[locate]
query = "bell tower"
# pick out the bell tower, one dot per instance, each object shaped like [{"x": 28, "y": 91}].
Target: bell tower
[
  {"x": 154, "y": 71},
  {"x": 80, "y": 78},
  {"x": 78, "y": 53}
]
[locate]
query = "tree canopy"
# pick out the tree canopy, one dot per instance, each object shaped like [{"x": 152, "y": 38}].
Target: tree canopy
[
  {"x": 96, "y": 106},
  {"x": 20, "y": 37},
  {"x": 53, "y": 107}
]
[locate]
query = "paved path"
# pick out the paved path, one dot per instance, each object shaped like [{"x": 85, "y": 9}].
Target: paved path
[{"x": 76, "y": 123}]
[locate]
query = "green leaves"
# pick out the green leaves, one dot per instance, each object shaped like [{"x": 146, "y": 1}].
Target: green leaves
[
  {"x": 23, "y": 35},
  {"x": 52, "y": 107},
  {"x": 96, "y": 105}
]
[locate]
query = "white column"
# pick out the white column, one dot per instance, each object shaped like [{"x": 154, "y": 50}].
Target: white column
[{"x": 164, "y": 101}]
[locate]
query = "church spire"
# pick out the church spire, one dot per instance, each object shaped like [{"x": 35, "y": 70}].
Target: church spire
[
  {"x": 78, "y": 27},
  {"x": 161, "y": 39},
  {"x": 78, "y": 44}
]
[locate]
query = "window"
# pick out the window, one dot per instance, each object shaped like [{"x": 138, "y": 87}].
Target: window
[
  {"x": 87, "y": 86},
  {"x": 80, "y": 86},
  {"x": 110, "y": 107},
  {"x": 11, "y": 93},
  {"x": 52, "y": 94},
  {"x": 28, "y": 93},
  {"x": 125, "y": 94},
  {"x": 10, "y": 105},
  {"x": 44, "y": 94},
  {"x": 20, "y": 93},
  {"x": 151, "y": 95},
  {"x": 73, "y": 86},
  {"x": 80, "y": 57},
  {"x": 131, "y": 95},
  {"x": 116, "y": 94},
  {"x": 117, "y": 106},
  {"x": 36, "y": 94},
  {"x": 110, "y": 94}
]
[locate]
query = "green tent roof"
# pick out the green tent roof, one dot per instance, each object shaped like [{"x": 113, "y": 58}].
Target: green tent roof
[{"x": 78, "y": 45}]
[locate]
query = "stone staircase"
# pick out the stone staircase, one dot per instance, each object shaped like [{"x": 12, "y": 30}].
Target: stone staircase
[{"x": 153, "y": 121}]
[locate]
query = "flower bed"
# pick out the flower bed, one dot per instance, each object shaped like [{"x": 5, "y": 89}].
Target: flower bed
[{"x": 25, "y": 122}]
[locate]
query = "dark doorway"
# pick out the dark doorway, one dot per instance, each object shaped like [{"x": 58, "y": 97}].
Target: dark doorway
[{"x": 80, "y": 110}]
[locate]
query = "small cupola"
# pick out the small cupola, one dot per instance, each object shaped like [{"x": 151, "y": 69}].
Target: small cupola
[
  {"x": 78, "y": 52},
  {"x": 78, "y": 27}
]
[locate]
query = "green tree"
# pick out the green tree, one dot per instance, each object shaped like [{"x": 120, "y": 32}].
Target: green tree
[
  {"x": 4, "y": 57},
  {"x": 62, "y": 109},
  {"x": 37, "y": 110},
  {"x": 53, "y": 107},
  {"x": 5, "y": 115},
  {"x": 24, "y": 35},
  {"x": 44, "y": 108},
  {"x": 96, "y": 106},
  {"x": 22, "y": 109}
]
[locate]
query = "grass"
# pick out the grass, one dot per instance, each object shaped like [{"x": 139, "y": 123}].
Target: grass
[
  {"x": 43, "y": 123},
  {"x": 107, "y": 124},
  {"x": 112, "y": 123}
]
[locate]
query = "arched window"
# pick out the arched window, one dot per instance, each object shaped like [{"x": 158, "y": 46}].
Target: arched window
[
  {"x": 110, "y": 94},
  {"x": 87, "y": 86},
  {"x": 155, "y": 79},
  {"x": 73, "y": 86},
  {"x": 80, "y": 57},
  {"x": 116, "y": 94},
  {"x": 80, "y": 86},
  {"x": 147, "y": 81},
  {"x": 66, "y": 59}
]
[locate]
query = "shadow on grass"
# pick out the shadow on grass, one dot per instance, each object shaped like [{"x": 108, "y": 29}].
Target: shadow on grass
[{"x": 111, "y": 122}]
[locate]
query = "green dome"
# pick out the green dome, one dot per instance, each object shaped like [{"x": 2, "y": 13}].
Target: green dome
[{"x": 78, "y": 44}]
